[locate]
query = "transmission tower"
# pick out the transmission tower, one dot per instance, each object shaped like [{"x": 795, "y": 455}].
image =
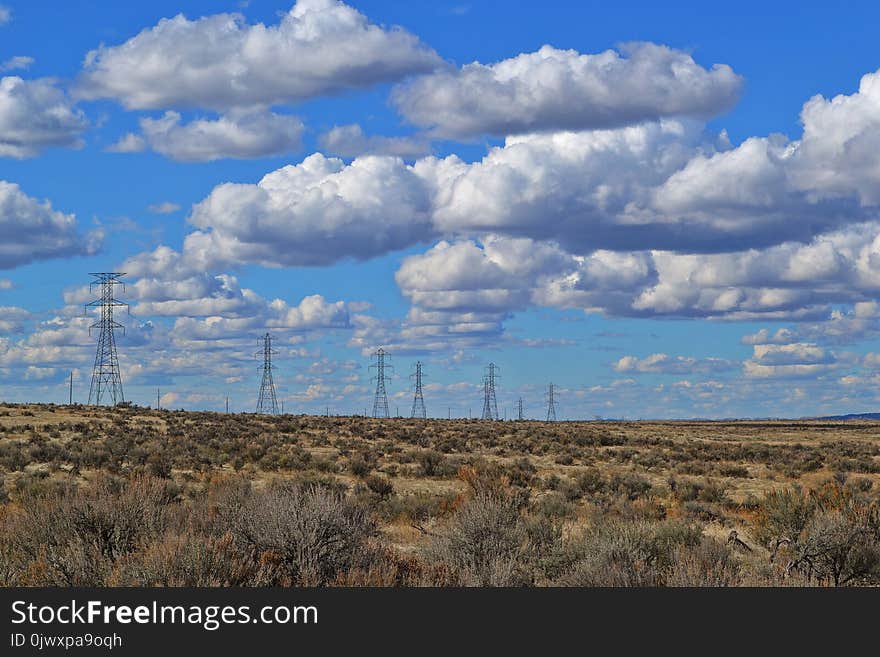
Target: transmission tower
[
  {"x": 490, "y": 404},
  {"x": 267, "y": 402},
  {"x": 519, "y": 410},
  {"x": 551, "y": 403},
  {"x": 418, "y": 407},
  {"x": 380, "y": 401},
  {"x": 106, "y": 378}
]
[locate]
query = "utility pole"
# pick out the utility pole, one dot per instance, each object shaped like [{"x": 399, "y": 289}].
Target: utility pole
[
  {"x": 519, "y": 409},
  {"x": 490, "y": 403},
  {"x": 267, "y": 402},
  {"x": 227, "y": 404},
  {"x": 380, "y": 400},
  {"x": 158, "y": 407},
  {"x": 105, "y": 374},
  {"x": 70, "y": 403}
]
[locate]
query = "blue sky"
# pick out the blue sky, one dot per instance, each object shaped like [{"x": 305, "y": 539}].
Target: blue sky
[{"x": 668, "y": 211}]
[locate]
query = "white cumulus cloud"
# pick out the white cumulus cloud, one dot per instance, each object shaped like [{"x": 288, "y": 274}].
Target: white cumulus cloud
[
  {"x": 34, "y": 115},
  {"x": 33, "y": 230},
  {"x": 797, "y": 359},
  {"x": 128, "y": 143},
  {"x": 666, "y": 364},
  {"x": 351, "y": 141},
  {"x": 552, "y": 90},
  {"x": 314, "y": 213},
  {"x": 220, "y": 61},
  {"x": 236, "y": 135}
]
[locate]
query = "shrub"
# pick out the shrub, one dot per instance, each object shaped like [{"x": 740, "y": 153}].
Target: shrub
[
  {"x": 591, "y": 482},
  {"x": 626, "y": 553},
  {"x": 554, "y": 505},
  {"x": 841, "y": 546},
  {"x": 737, "y": 471},
  {"x": 521, "y": 473},
  {"x": 783, "y": 516},
  {"x": 708, "y": 563},
  {"x": 300, "y": 534},
  {"x": 74, "y": 538},
  {"x": 430, "y": 462},
  {"x": 832, "y": 534},
  {"x": 160, "y": 465},
  {"x": 359, "y": 466},
  {"x": 486, "y": 543},
  {"x": 418, "y": 506},
  {"x": 380, "y": 485},
  {"x": 186, "y": 559},
  {"x": 713, "y": 492},
  {"x": 630, "y": 485}
]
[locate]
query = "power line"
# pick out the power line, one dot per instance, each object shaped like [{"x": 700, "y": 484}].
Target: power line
[
  {"x": 267, "y": 402},
  {"x": 380, "y": 401},
  {"x": 105, "y": 374},
  {"x": 418, "y": 407}
]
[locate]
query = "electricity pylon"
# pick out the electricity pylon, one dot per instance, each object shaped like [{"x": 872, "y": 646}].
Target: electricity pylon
[
  {"x": 267, "y": 402},
  {"x": 105, "y": 374},
  {"x": 418, "y": 407},
  {"x": 490, "y": 403},
  {"x": 551, "y": 403},
  {"x": 380, "y": 401},
  {"x": 519, "y": 409}
]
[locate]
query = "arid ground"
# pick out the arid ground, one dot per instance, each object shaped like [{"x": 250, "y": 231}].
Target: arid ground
[{"x": 132, "y": 496}]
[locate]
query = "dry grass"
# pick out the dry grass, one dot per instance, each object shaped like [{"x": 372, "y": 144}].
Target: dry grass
[{"x": 578, "y": 489}]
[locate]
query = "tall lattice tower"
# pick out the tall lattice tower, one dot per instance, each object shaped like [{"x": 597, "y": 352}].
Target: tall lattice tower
[
  {"x": 551, "y": 403},
  {"x": 418, "y": 407},
  {"x": 519, "y": 409},
  {"x": 106, "y": 378},
  {"x": 267, "y": 402},
  {"x": 380, "y": 401},
  {"x": 490, "y": 404}
]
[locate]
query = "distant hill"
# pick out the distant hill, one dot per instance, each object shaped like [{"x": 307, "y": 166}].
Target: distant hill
[{"x": 851, "y": 416}]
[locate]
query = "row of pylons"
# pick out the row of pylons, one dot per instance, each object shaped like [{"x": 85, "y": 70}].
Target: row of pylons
[
  {"x": 489, "y": 383},
  {"x": 107, "y": 380}
]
